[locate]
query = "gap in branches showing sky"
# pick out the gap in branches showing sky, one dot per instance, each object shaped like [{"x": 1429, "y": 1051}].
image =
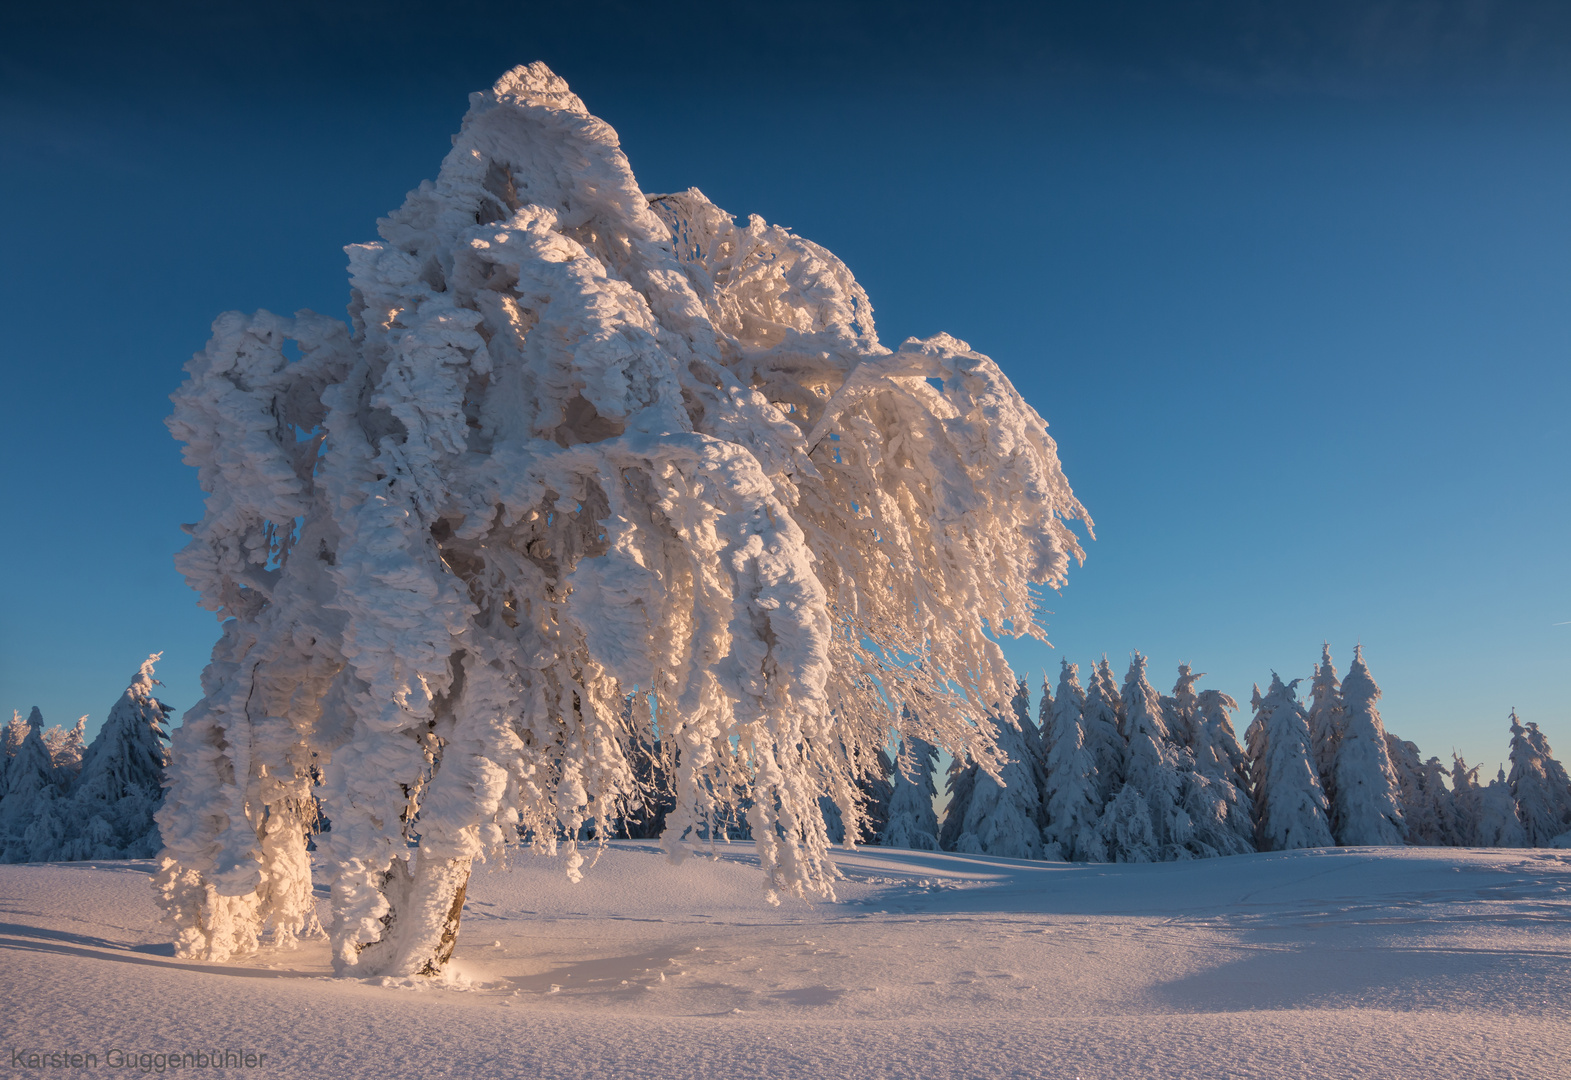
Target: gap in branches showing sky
[{"x": 1289, "y": 282}]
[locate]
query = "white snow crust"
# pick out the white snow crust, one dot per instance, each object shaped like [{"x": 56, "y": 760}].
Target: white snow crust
[{"x": 1389, "y": 963}]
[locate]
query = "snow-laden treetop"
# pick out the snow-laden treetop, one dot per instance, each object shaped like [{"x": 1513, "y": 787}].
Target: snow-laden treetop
[{"x": 585, "y": 443}]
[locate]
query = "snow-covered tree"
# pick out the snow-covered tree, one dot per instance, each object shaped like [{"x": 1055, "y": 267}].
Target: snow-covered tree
[
  {"x": 1003, "y": 815},
  {"x": 1215, "y": 776},
  {"x": 1499, "y": 824},
  {"x": 121, "y": 783},
  {"x": 1368, "y": 807},
  {"x": 1466, "y": 801},
  {"x": 912, "y": 821},
  {"x": 1326, "y": 710},
  {"x": 1290, "y": 807},
  {"x": 1431, "y": 814},
  {"x": 1074, "y": 805},
  {"x": 1125, "y": 830},
  {"x": 1181, "y": 711},
  {"x": 581, "y": 442},
  {"x": 1103, "y": 731},
  {"x": 15, "y": 736},
  {"x": 66, "y": 749},
  {"x": 1217, "y": 753},
  {"x": 959, "y": 786},
  {"x": 1151, "y": 768},
  {"x": 30, "y": 785},
  {"x": 1256, "y": 746},
  {"x": 1539, "y": 784}
]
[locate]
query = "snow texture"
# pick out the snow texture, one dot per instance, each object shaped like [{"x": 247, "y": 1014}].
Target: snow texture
[
  {"x": 1396, "y": 963},
  {"x": 580, "y": 443}
]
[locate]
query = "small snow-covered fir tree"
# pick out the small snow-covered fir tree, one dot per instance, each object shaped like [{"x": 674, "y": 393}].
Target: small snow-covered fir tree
[
  {"x": 1368, "y": 810},
  {"x": 912, "y": 821},
  {"x": 1216, "y": 786},
  {"x": 30, "y": 785},
  {"x": 1256, "y": 747},
  {"x": 1103, "y": 731},
  {"x": 1499, "y": 824},
  {"x": 1181, "y": 711},
  {"x": 66, "y": 749},
  {"x": 1326, "y": 710},
  {"x": 959, "y": 786},
  {"x": 580, "y": 442},
  {"x": 121, "y": 784},
  {"x": 1151, "y": 768},
  {"x": 1290, "y": 806},
  {"x": 1126, "y": 831},
  {"x": 1217, "y": 753},
  {"x": 1430, "y": 812},
  {"x": 1539, "y": 784},
  {"x": 1466, "y": 801},
  {"x": 1074, "y": 805},
  {"x": 1003, "y": 815}
]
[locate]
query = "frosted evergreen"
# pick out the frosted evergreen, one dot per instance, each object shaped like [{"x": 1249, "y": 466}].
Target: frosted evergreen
[
  {"x": 66, "y": 749},
  {"x": 1103, "y": 731},
  {"x": 121, "y": 785},
  {"x": 912, "y": 821},
  {"x": 1539, "y": 784},
  {"x": 1466, "y": 802},
  {"x": 1181, "y": 711},
  {"x": 30, "y": 789},
  {"x": 1216, "y": 794},
  {"x": 1499, "y": 824},
  {"x": 1369, "y": 807},
  {"x": 1003, "y": 815},
  {"x": 1290, "y": 806},
  {"x": 1074, "y": 806},
  {"x": 1326, "y": 720},
  {"x": 1151, "y": 768}
]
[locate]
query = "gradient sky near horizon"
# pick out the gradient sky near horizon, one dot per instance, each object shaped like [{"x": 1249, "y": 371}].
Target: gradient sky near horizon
[{"x": 1289, "y": 281}]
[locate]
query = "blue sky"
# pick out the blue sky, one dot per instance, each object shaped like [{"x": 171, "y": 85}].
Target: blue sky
[{"x": 1289, "y": 282}]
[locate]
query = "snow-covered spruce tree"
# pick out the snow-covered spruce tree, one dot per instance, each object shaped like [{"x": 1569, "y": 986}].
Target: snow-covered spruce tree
[
  {"x": 1325, "y": 725},
  {"x": 1217, "y": 753},
  {"x": 581, "y": 443},
  {"x": 1466, "y": 801},
  {"x": 912, "y": 822},
  {"x": 1539, "y": 784},
  {"x": 121, "y": 783},
  {"x": 1003, "y": 815},
  {"x": 1181, "y": 711},
  {"x": 1289, "y": 805},
  {"x": 1074, "y": 805},
  {"x": 1368, "y": 808},
  {"x": 1104, "y": 738},
  {"x": 1499, "y": 824},
  {"x": 1151, "y": 768},
  {"x": 1215, "y": 780},
  {"x": 30, "y": 785},
  {"x": 66, "y": 749},
  {"x": 15, "y": 734},
  {"x": 959, "y": 785},
  {"x": 1430, "y": 813},
  {"x": 874, "y": 786}
]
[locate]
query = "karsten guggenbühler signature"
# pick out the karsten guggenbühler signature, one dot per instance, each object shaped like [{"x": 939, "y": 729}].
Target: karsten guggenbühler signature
[{"x": 142, "y": 1061}]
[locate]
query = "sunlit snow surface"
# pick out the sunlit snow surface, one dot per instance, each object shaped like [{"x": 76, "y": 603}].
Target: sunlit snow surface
[{"x": 1372, "y": 963}]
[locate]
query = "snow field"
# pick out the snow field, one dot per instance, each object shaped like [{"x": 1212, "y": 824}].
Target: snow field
[{"x": 1329, "y": 963}]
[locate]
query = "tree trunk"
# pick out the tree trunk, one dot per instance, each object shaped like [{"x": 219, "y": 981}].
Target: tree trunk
[{"x": 421, "y": 926}]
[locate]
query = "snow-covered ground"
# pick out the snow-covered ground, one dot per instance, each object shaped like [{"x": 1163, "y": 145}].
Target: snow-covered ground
[{"x": 1372, "y": 963}]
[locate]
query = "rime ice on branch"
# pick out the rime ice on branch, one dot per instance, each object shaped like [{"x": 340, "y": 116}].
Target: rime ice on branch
[{"x": 581, "y": 444}]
